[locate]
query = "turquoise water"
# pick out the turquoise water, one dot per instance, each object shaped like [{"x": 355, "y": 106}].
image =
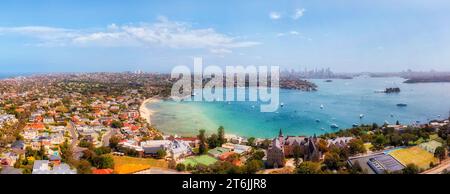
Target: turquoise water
[{"x": 343, "y": 101}]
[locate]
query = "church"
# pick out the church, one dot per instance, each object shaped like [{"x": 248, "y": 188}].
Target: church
[{"x": 282, "y": 147}]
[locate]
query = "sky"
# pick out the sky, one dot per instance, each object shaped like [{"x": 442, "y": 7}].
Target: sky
[{"x": 155, "y": 36}]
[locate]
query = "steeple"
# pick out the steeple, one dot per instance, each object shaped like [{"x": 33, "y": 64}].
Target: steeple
[{"x": 280, "y": 134}]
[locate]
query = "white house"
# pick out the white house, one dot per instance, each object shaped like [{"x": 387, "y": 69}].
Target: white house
[{"x": 179, "y": 149}]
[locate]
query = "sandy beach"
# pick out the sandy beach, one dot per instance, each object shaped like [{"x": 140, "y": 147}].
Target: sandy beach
[{"x": 145, "y": 112}]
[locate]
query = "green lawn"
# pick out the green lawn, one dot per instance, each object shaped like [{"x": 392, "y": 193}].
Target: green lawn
[
  {"x": 128, "y": 165},
  {"x": 203, "y": 159}
]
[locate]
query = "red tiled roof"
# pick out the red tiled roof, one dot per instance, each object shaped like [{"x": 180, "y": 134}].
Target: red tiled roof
[
  {"x": 35, "y": 126},
  {"x": 225, "y": 155},
  {"x": 102, "y": 171}
]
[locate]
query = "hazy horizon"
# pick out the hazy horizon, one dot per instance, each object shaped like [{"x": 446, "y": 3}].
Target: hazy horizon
[{"x": 350, "y": 36}]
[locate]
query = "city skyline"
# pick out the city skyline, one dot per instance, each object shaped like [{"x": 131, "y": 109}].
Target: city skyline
[{"x": 350, "y": 36}]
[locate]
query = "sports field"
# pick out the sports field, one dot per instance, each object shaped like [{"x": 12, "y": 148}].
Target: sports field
[
  {"x": 203, "y": 159},
  {"x": 415, "y": 155},
  {"x": 128, "y": 165}
]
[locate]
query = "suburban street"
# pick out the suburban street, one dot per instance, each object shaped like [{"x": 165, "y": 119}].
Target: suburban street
[
  {"x": 73, "y": 132},
  {"x": 107, "y": 136}
]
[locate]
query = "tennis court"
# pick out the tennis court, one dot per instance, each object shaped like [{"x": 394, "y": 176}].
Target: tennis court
[
  {"x": 203, "y": 159},
  {"x": 414, "y": 155}
]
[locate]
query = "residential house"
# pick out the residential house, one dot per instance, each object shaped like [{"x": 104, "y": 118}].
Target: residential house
[
  {"x": 179, "y": 149},
  {"x": 216, "y": 152},
  {"x": 237, "y": 148},
  {"x": 151, "y": 147},
  {"x": 44, "y": 167}
]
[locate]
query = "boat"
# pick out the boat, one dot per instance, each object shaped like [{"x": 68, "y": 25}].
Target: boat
[
  {"x": 321, "y": 106},
  {"x": 317, "y": 121},
  {"x": 361, "y": 116},
  {"x": 328, "y": 80},
  {"x": 193, "y": 94},
  {"x": 402, "y": 105},
  {"x": 386, "y": 122},
  {"x": 355, "y": 125},
  {"x": 334, "y": 126},
  {"x": 392, "y": 115},
  {"x": 281, "y": 105},
  {"x": 323, "y": 129},
  {"x": 392, "y": 90}
]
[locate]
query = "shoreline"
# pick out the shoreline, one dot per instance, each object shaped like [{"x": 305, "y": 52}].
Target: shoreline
[{"x": 145, "y": 112}]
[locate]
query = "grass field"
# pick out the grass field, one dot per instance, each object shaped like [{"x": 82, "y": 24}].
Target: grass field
[
  {"x": 203, "y": 159},
  {"x": 415, "y": 155},
  {"x": 128, "y": 165}
]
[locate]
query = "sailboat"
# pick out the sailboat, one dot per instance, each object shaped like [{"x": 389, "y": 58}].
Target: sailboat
[{"x": 334, "y": 126}]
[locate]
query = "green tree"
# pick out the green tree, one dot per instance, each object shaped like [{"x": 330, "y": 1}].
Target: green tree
[
  {"x": 356, "y": 146},
  {"x": 332, "y": 161},
  {"x": 396, "y": 140},
  {"x": 251, "y": 141},
  {"x": 379, "y": 142},
  {"x": 102, "y": 150},
  {"x": 440, "y": 153},
  {"x": 201, "y": 138},
  {"x": 103, "y": 162},
  {"x": 308, "y": 167},
  {"x": 161, "y": 153},
  {"x": 411, "y": 169},
  {"x": 374, "y": 126},
  {"x": 297, "y": 152},
  {"x": 84, "y": 167},
  {"x": 180, "y": 167},
  {"x": 221, "y": 134},
  {"x": 114, "y": 142},
  {"x": 257, "y": 155},
  {"x": 213, "y": 141},
  {"x": 252, "y": 166}
]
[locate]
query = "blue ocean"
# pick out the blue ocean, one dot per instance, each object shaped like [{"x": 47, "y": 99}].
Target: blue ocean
[{"x": 336, "y": 105}]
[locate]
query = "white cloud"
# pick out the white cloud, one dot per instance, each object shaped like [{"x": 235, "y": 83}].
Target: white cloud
[
  {"x": 221, "y": 52},
  {"x": 274, "y": 15},
  {"x": 293, "y": 32},
  {"x": 298, "y": 14},
  {"x": 162, "y": 33},
  {"x": 281, "y": 34}
]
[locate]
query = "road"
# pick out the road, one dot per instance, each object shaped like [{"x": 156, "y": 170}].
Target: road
[
  {"x": 445, "y": 164},
  {"x": 107, "y": 136},
  {"x": 73, "y": 132}
]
